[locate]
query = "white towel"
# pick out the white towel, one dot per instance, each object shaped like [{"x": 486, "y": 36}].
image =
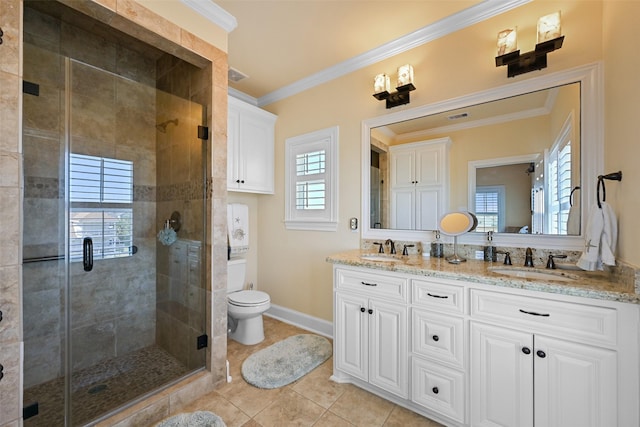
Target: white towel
[
  {"x": 238, "y": 228},
  {"x": 600, "y": 239}
]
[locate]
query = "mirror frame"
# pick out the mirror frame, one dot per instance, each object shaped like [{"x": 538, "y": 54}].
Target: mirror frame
[{"x": 591, "y": 154}]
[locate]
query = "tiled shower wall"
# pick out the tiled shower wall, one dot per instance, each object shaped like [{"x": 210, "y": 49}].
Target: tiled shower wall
[{"x": 133, "y": 19}]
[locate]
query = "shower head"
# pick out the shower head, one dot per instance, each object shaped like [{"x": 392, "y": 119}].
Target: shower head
[{"x": 162, "y": 127}]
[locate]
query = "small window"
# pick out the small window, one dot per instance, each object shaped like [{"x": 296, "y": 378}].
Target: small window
[
  {"x": 490, "y": 208},
  {"x": 311, "y": 195},
  {"x": 101, "y": 196},
  {"x": 559, "y": 180}
]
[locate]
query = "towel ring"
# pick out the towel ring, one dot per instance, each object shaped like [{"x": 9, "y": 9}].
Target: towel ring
[
  {"x": 615, "y": 176},
  {"x": 577, "y": 187}
]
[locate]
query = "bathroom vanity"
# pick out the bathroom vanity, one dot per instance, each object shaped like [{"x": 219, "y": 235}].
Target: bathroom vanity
[{"x": 466, "y": 346}]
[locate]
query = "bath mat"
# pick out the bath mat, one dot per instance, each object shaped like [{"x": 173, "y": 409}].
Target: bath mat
[
  {"x": 286, "y": 361},
  {"x": 193, "y": 419}
]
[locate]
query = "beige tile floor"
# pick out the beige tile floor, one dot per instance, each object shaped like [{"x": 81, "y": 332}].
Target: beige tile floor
[{"x": 313, "y": 400}]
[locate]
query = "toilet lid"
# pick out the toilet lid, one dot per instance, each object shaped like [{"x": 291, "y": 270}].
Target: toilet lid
[{"x": 248, "y": 298}]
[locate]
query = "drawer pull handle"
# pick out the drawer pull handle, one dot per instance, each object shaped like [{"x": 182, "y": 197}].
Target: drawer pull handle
[
  {"x": 533, "y": 313},
  {"x": 0, "y": 315},
  {"x": 362, "y": 309},
  {"x": 369, "y": 284},
  {"x": 436, "y": 338},
  {"x": 435, "y": 390},
  {"x": 526, "y": 350},
  {"x": 541, "y": 354},
  {"x": 1, "y": 371},
  {"x": 437, "y": 296}
]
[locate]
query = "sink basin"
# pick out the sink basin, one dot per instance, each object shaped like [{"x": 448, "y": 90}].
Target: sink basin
[
  {"x": 533, "y": 274},
  {"x": 380, "y": 257}
]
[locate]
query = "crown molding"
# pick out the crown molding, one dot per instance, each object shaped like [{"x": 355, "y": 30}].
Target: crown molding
[
  {"x": 213, "y": 13},
  {"x": 478, "y": 13}
]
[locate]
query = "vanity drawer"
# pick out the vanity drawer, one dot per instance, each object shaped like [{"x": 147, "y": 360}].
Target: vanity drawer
[
  {"x": 439, "y": 295},
  {"x": 438, "y": 388},
  {"x": 594, "y": 324},
  {"x": 373, "y": 284},
  {"x": 438, "y": 337}
]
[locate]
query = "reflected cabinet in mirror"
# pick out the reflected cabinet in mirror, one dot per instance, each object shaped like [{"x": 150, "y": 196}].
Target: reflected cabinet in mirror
[{"x": 523, "y": 158}]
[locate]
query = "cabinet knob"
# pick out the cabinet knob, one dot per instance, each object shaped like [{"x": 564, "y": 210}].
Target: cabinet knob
[
  {"x": 435, "y": 390},
  {"x": 362, "y": 309},
  {"x": 242, "y": 181},
  {"x": 237, "y": 181},
  {"x": 370, "y": 311},
  {"x": 541, "y": 354},
  {"x": 436, "y": 338},
  {"x": 526, "y": 350}
]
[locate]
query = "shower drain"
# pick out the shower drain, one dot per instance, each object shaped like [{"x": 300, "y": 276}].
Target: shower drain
[{"x": 97, "y": 388}]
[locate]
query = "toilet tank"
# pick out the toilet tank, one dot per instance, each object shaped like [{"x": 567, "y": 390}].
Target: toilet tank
[{"x": 236, "y": 271}]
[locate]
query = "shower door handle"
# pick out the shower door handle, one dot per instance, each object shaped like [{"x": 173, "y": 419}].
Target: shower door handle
[{"x": 87, "y": 254}]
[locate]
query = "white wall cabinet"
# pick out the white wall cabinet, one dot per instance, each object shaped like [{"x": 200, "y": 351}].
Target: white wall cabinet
[
  {"x": 250, "y": 148},
  {"x": 418, "y": 182},
  {"x": 469, "y": 354},
  {"x": 371, "y": 329}
]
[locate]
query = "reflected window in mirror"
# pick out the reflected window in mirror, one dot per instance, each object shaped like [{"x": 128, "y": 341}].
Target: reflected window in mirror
[{"x": 490, "y": 208}]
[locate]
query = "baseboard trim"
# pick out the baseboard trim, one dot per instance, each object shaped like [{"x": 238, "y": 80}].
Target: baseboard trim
[{"x": 301, "y": 320}]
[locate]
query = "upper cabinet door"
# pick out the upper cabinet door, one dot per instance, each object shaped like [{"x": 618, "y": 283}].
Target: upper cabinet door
[{"x": 250, "y": 147}]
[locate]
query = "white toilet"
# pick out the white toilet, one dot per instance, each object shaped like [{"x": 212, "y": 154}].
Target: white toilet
[{"x": 244, "y": 307}]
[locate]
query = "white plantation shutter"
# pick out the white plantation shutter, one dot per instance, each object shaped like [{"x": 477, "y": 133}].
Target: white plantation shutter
[{"x": 101, "y": 196}]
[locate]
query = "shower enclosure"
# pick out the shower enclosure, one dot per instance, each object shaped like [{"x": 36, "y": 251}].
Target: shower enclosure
[{"x": 111, "y": 158}]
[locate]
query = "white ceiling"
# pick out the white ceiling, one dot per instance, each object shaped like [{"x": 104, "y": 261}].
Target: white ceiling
[{"x": 285, "y": 46}]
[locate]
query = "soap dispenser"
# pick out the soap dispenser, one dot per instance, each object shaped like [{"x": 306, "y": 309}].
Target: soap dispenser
[
  {"x": 437, "y": 248},
  {"x": 490, "y": 253}
]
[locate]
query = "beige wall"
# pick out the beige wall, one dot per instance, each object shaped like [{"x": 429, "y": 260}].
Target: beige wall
[
  {"x": 622, "y": 127},
  {"x": 291, "y": 264}
]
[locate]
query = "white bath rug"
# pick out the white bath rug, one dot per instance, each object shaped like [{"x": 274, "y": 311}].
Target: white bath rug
[
  {"x": 193, "y": 419},
  {"x": 286, "y": 361}
]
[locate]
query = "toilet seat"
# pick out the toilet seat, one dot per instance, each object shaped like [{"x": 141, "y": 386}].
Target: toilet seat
[{"x": 248, "y": 298}]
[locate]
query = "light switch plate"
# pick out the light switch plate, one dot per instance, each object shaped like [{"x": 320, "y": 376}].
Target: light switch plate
[{"x": 353, "y": 224}]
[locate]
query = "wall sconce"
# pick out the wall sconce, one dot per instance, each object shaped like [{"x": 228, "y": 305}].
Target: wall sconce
[
  {"x": 549, "y": 39},
  {"x": 405, "y": 85}
]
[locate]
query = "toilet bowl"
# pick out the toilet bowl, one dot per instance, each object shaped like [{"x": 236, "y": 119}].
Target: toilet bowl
[{"x": 244, "y": 307}]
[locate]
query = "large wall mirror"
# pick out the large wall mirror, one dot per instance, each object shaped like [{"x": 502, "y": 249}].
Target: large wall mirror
[{"x": 523, "y": 157}]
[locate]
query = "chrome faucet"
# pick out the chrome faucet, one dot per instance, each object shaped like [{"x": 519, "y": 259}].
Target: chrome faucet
[
  {"x": 393, "y": 246},
  {"x": 528, "y": 258}
]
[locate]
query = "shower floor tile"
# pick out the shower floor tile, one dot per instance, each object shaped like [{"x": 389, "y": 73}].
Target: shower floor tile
[{"x": 103, "y": 387}]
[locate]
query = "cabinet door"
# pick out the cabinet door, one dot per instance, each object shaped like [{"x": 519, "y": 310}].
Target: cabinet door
[
  {"x": 501, "y": 377},
  {"x": 575, "y": 384},
  {"x": 428, "y": 208},
  {"x": 403, "y": 208},
  {"x": 233, "y": 143},
  {"x": 402, "y": 169},
  {"x": 256, "y": 154},
  {"x": 388, "y": 347},
  {"x": 428, "y": 165},
  {"x": 351, "y": 338}
]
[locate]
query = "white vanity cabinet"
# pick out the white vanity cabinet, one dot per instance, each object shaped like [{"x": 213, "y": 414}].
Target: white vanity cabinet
[
  {"x": 540, "y": 359},
  {"x": 473, "y": 354},
  {"x": 250, "y": 148},
  {"x": 418, "y": 179},
  {"x": 438, "y": 351},
  {"x": 370, "y": 329}
]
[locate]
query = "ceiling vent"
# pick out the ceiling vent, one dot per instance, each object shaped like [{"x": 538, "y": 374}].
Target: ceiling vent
[
  {"x": 458, "y": 116},
  {"x": 235, "y": 75}
]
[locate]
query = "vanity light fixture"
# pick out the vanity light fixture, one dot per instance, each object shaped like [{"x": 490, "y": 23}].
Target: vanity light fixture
[
  {"x": 549, "y": 39},
  {"x": 381, "y": 87}
]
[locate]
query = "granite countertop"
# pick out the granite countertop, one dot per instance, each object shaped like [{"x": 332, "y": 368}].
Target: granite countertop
[{"x": 587, "y": 284}]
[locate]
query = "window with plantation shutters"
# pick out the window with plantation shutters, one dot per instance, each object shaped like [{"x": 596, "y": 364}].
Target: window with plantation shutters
[
  {"x": 490, "y": 208},
  {"x": 559, "y": 181},
  {"x": 311, "y": 181},
  {"x": 101, "y": 197}
]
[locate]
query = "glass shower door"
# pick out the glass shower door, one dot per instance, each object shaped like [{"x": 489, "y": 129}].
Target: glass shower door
[{"x": 114, "y": 313}]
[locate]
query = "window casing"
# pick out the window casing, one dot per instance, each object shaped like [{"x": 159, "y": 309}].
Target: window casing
[
  {"x": 311, "y": 178},
  {"x": 101, "y": 197}
]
